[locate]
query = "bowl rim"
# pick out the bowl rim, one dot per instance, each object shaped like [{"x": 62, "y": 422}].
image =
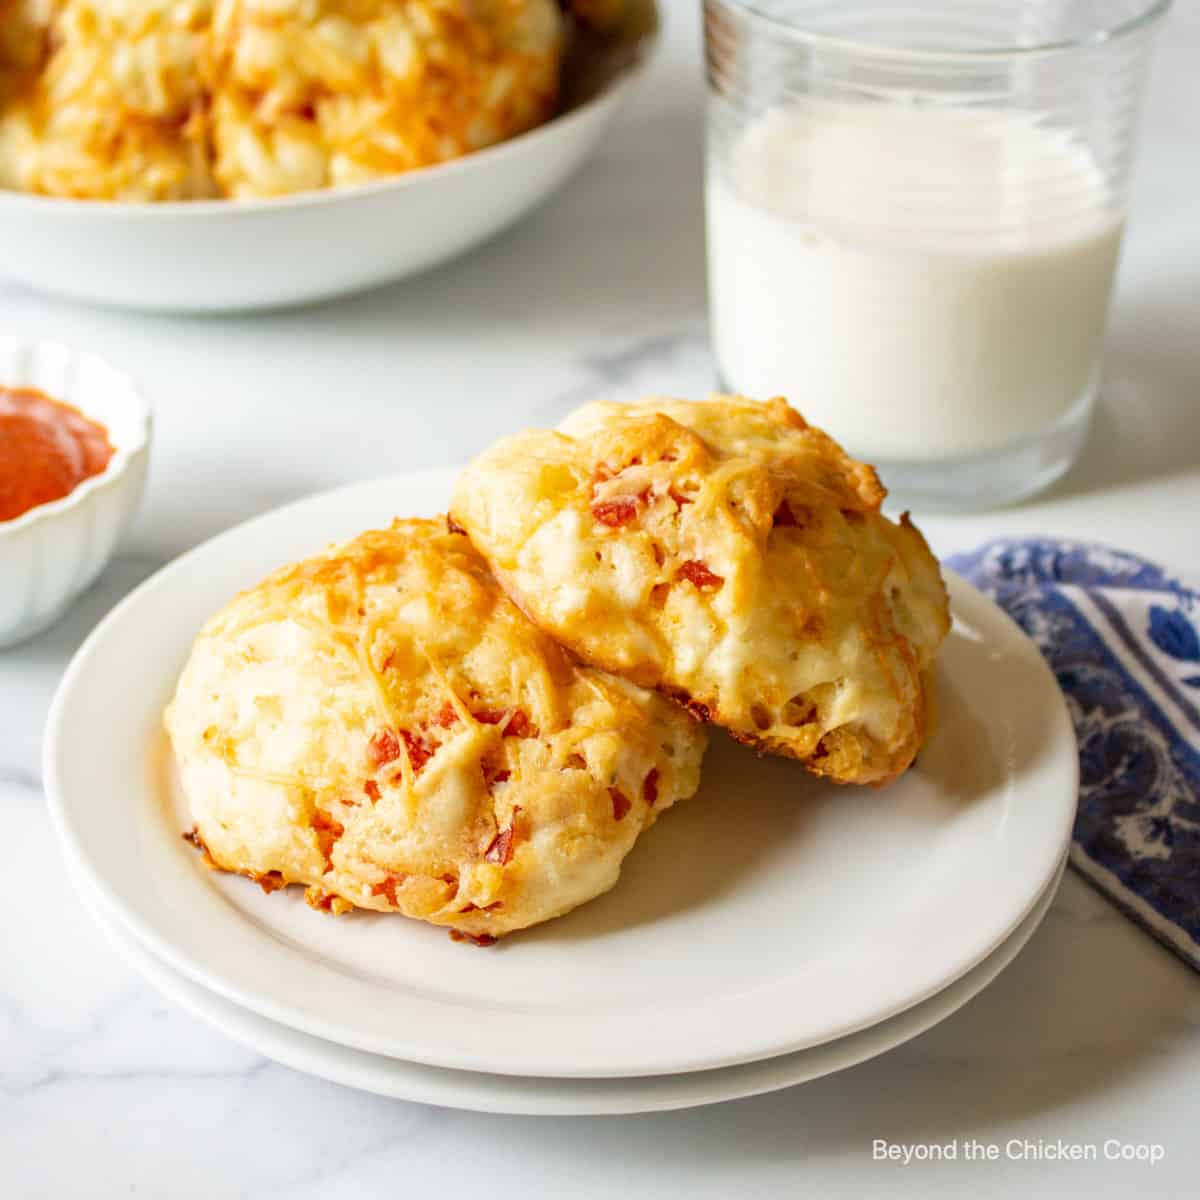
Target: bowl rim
[
  {"x": 124, "y": 455},
  {"x": 641, "y": 54}
]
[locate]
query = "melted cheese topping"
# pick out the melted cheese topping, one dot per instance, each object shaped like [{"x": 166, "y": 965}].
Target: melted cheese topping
[
  {"x": 731, "y": 555},
  {"x": 158, "y": 100},
  {"x": 314, "y": 93},
  {"x": 117, "y": 111},
  {"x": 382, "y": 724}
]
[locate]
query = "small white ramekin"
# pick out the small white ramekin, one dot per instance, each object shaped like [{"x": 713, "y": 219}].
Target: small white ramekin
[{"x": 50, "y": 554}]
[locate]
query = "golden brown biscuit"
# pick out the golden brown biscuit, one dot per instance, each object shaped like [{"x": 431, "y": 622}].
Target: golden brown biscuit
[
  {"x": 319, "y": 93},
  {"x": 381, "y": 724},
  {"x": 183, "y": 99},
  {"x": 730, "y": 555},
  {"x": 117, "y": 112}
]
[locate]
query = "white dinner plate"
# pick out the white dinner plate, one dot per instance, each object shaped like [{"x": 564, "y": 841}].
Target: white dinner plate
[
  {"x": 531, "y": 1096},
  {"x": 226, "y": 255},
  {"x": 770, "y": 913}
]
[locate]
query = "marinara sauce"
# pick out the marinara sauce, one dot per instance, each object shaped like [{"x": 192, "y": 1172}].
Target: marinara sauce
[{"x": 47, "y": 449}]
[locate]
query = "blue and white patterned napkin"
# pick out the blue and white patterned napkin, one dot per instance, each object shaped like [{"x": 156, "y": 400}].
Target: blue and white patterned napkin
[{"x": 1123, "y": 638}]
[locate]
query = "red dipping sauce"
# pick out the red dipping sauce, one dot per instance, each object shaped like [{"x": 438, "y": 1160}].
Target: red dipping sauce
[{"x": 47, "y": 449}]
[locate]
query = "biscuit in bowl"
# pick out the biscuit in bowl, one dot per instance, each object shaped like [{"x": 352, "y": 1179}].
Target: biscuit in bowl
[
  {"x": 167, "y": 100},
  {"x": 382, "y": 725},
  {"x": 324, "y": 93},
  {"x": 116, "y": 109},
  {"x": 730, "y": 555}
]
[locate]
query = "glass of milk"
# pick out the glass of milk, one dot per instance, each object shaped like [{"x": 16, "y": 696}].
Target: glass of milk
[{"x": 915, "y": 212}]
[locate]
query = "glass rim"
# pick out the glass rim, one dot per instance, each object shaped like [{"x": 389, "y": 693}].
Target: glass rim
[{"x": 1152, "y": 13}]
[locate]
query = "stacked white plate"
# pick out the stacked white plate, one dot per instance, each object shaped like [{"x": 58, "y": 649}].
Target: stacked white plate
[{"x": 770, "y": 930}]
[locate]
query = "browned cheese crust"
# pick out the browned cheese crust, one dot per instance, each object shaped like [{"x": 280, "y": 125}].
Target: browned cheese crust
[
  {"x": 730, "y": 555},
  {"x": 382, "y": 725}
]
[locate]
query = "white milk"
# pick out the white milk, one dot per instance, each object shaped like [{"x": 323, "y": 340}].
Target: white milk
[{"x": 923, "y": 283}]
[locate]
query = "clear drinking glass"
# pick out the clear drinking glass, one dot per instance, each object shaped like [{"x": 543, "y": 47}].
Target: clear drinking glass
[{"x": 915, "y": 212}]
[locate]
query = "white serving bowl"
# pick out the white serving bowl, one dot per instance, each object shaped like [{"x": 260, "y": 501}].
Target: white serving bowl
[
  {"x": 50, "y": 554},
  {"x": 223, "y": 255}
]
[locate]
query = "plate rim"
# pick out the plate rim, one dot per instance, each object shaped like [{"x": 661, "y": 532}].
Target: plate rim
[
  {"x": 671, "y": 1093},
  {"x": 403, "y": 1045}
]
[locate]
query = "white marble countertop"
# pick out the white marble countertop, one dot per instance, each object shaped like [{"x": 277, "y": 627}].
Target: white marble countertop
[{"x": 1093, "y": 1033}]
